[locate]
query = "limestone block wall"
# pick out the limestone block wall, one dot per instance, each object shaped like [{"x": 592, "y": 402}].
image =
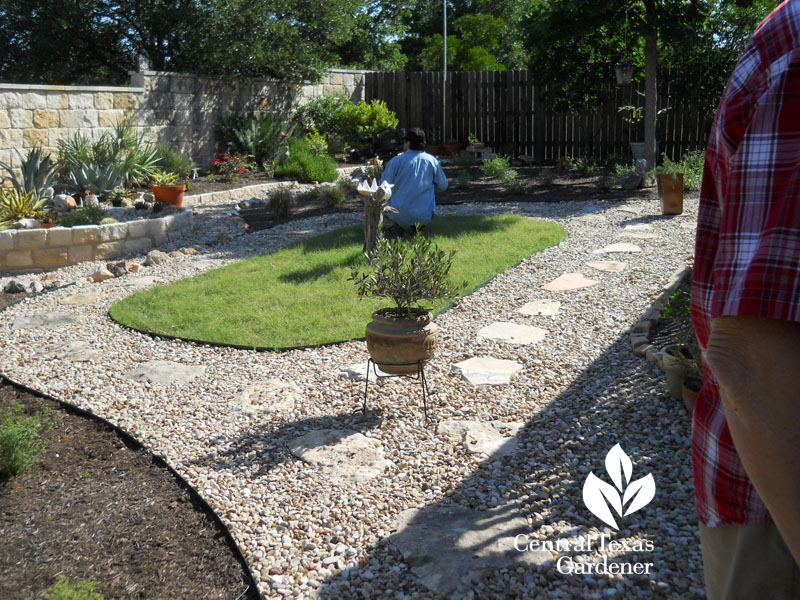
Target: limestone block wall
[
  {"x": 172, "y": 108},
  {"x": 34, "y": 250}
]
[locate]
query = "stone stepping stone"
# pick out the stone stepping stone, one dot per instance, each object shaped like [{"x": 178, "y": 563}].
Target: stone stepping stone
[
  {"x": 358, "y": 372},
  {"x": 610, "y": 266},
  {"x": 81, "y": 299},
  {"x": 545, "y": 308},
  {"x": 590, "y": 218},
  {"x": 451, "y": 548},
  {"x": 639, "y": 236},
  {"x": 270, "y": 396},
  {"x": 73, "y": 352},
  {"x": 342, "y": 454},
  {"x": 568, "y": 282},
  {"x": 630, "y": 210},
  {"x": 165, "y": 372},
  {"x": 691, "y": 226},
  {"x": 140, "y": 282},
  {"x": 637, "y": 226},
  {"x": 512, "y": 333},
  {"x": 488, "y": 371},
  {"x": 621, "y": 247},
  {"x": 51, "y": 319},
  {"x": 495, "y": 439}
]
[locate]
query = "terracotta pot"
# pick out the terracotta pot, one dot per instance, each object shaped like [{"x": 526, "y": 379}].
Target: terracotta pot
[
  {"x": 434, "y": 149},
  {"x": 689, "y": 398},
  {"x": 48, "y": 225},
  {"x": 171, "y": 194},
  {"x": 671, "y": 194},
  {"x": 675, "y": 369},
  {"x": 451, "y": 149},
  {"x": 392, "y": 340}
]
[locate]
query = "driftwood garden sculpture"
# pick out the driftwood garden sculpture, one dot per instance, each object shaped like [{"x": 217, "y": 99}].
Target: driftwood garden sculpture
[{"x": 376, "y": 204}]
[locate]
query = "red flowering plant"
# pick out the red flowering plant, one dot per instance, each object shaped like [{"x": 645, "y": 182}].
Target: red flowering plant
[{"x": 231, "y": 166}]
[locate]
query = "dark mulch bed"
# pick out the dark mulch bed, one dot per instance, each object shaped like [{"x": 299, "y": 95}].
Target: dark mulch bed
[
  {"x": 94, "y": 507},
  {"x": 481, "y": 188}
]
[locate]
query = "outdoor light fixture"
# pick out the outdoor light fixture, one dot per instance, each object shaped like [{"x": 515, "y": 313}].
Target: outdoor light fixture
[
  {"x": 141, "y": 64},
  {"x": 624, "y": 73}
]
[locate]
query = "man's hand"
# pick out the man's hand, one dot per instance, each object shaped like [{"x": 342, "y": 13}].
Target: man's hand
[{"x": 757, "y": 365}]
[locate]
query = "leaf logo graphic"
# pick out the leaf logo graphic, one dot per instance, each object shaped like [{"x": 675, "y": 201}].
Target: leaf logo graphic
[{"x": 599, "y": 495}]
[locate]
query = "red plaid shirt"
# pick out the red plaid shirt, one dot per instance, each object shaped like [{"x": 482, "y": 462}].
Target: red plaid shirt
[{"x": 747, "y": 255}]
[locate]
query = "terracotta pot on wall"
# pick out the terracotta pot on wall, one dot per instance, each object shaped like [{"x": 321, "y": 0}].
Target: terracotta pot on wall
[
  {"x": 671, "y": 193},
  {"x": 171, "y": 194},
  {"x": 392, "y": 340}
]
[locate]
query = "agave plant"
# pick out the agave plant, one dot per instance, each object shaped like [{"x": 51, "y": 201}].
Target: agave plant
[
  {"x": 257, "y": 135},
  {"x": 15, "y": 205},
  {"x": 100, "y": 181},
  {"x": 37, "y": 173}
]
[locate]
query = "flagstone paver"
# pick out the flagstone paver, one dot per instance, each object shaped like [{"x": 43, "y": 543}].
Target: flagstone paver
[
  {"x": 610, "y": 266},
  {"x": 621, "y": 247},
  {"x": 164, "y": 372},
  {"x": 637, "y": 226},
  {"x": 270, "y": 396},
  {"x": 358, "y": 372},
  {"x": 569, "y": 282},
  {"x": 77, "y": 351},
  {"x": 487, "y": 370},
  {"x": 449, "y": 548},
  {"x": 51, "y": 319},
  {"x": 342, "y": 454},
  {"x": 494, "y": 438},
  {"x": 512, "y": 333},
  {"x": 545, "y": 308},
  {"x": 636, "y": 235},
  {"x": 81, "y": 299}
]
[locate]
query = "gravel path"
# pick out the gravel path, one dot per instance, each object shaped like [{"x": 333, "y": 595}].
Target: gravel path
[{"x": 581, "y": 391}]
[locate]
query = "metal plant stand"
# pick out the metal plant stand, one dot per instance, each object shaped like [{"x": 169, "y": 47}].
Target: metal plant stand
[{"x": 420, "y": 376}]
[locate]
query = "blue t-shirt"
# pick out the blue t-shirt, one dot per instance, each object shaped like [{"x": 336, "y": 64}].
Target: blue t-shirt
[{"x": 415, "y": 175}]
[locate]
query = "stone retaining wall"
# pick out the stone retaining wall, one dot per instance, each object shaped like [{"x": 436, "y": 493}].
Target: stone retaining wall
[
  {"x": 171, "y": 108},
  {"x": 33, "y": 250}
]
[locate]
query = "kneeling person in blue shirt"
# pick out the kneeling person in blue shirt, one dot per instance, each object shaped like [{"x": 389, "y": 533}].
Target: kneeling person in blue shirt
[{"x": 416, "y": 176}]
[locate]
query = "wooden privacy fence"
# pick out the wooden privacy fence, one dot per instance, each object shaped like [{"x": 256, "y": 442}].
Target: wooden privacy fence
[{"x": 505, "y": 110}]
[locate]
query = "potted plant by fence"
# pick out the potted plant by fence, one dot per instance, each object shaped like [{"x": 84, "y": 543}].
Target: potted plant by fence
[
  {"x": 399, "y": 337},
  {"x": 634, "y": 117},
  {"x": 670, "y": 186},
  {"x": 682, "y": 359},
  {"x": 167, "y": 188}
]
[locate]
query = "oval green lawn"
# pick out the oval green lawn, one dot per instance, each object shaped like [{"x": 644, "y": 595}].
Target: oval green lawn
[{"x": 301, "y": 295}]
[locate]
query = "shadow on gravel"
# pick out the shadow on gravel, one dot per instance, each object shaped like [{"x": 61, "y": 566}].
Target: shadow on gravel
[{"x": 618, "y": 399}]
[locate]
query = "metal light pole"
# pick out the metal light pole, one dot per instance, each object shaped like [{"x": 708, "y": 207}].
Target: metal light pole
[{"x": 444, "y": 84}]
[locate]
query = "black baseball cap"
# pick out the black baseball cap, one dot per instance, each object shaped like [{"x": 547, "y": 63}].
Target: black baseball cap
[{"x": 416, "y": 136}]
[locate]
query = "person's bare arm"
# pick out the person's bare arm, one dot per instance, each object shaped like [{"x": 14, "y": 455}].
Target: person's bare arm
[{"x": 757, "y": 365}]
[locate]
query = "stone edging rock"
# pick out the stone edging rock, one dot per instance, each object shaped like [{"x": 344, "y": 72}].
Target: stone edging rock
[
  {"x": 33, "y": 250},
  {"x": 640, "y": 332}
]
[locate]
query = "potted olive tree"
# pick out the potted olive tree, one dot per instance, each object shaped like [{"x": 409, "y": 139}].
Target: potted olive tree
[{"x": 400, "y": 336}]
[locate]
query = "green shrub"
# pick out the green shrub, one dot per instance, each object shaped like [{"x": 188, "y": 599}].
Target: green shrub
[
  {"x": 172, "y": 161},
  {"x": 464, "y": 160},
  {"x": 21, "y": 439},
  {"x": 692, "y": 164},
  {"x": 280, "y": 202},
  {"x": 304, "y": 166},
  {"x": 321, "y": 114},
  {"x": 317, "y": 143},
  {"x": 330, "y": 195},
  {"x": 85, "y": 215},
  {"x": 565, "y": 163},
  {"x": 508, "y": 176},
  {"x": 547, "y": 177},
  {"x": 494, "y": 166},
  {"x": 606, "y": 183},
  {"x": 367, "y": 118},
  {"x": 80, "y": 589},
  {"x": 621, "y": 169},
  {"x": 463, "y": 179},
  {"x": 257, "y": 135},
  {"x": 583, "y": 166}
]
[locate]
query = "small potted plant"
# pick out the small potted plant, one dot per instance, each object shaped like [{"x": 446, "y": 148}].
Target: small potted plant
[
  {"x": 634, "y": 117},
  {"x": 400, "y": 337},
  {"x": 167, "y": 188},
  {"x": 670, "y": 186}
]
